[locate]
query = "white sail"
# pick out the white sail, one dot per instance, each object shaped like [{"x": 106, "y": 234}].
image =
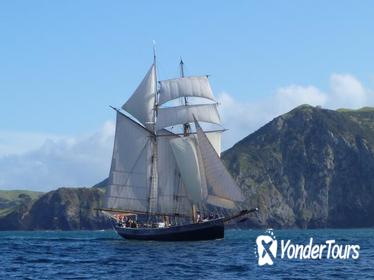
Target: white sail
[
  {"x": 215, "y": 140},
  {"x": 219, "y": 179},
  {"x": 184, "y": 114},
  {"x": 129, "y": 179},
  {"x": 220, "y": 202},
  {"x": 141, "y": 103},
  {"x": 185, "y": 153},
  {"x": 172, "y": 198},
  {"x": 184, "y": 87}
]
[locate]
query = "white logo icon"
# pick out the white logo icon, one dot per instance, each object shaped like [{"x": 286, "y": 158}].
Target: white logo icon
[{"x": 266, "y": 248}]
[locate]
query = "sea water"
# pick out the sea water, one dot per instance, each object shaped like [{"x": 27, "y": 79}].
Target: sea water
[{"x": 104, "y": 255}]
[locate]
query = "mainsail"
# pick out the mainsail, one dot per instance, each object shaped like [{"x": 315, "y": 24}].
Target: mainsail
[
  {"x": 156, "y": 171},
  {"x": 129, "y": 177}
]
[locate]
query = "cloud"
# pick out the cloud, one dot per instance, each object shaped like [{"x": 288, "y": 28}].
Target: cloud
[
  {"x": 347, "y": 92},
  {"x": 20, "y": 142},
  {"x": 65, "y": 161},
  {"x": 45, "y": 161},
  {"x": 289, "y": 97},
  {"x": 243, "y": 118}
]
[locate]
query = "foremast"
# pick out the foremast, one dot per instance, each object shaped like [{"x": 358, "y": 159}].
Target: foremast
[{"x": 153, "y": 190}]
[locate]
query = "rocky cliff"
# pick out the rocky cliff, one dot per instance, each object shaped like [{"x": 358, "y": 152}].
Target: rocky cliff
[{"x": 309, "y": 168}]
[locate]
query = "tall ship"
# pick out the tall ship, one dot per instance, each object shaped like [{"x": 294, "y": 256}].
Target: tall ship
[{"x": 166, "y": 180}]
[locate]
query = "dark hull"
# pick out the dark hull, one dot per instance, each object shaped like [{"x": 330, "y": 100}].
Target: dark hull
[{"x": 209, "y": 230}]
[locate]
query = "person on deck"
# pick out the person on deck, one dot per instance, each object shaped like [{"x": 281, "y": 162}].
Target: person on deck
[
  {"x": 199, "y": 220},
  {"x": 133, "y": 224}
]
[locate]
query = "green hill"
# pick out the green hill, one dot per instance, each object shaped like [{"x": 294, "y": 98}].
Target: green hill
[
  {"x": 11, "y": 200},
  {"x": 61, "y": 209}
]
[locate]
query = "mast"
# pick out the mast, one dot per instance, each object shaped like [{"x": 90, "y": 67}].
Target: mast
[
  {"x": 186, "y": 132},
  {"x": 156, "y": 93},
  {"x": 154, "y": 174},
  {"x": 186, "y": 126}
]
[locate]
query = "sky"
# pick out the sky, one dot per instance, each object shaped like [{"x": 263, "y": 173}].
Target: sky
[{"x": 62, "y": 63}]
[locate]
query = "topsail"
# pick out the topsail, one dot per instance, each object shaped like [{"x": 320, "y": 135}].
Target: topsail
[
  {"x": 185, "y": 87},
  {"x": 185, "y": 114}
]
